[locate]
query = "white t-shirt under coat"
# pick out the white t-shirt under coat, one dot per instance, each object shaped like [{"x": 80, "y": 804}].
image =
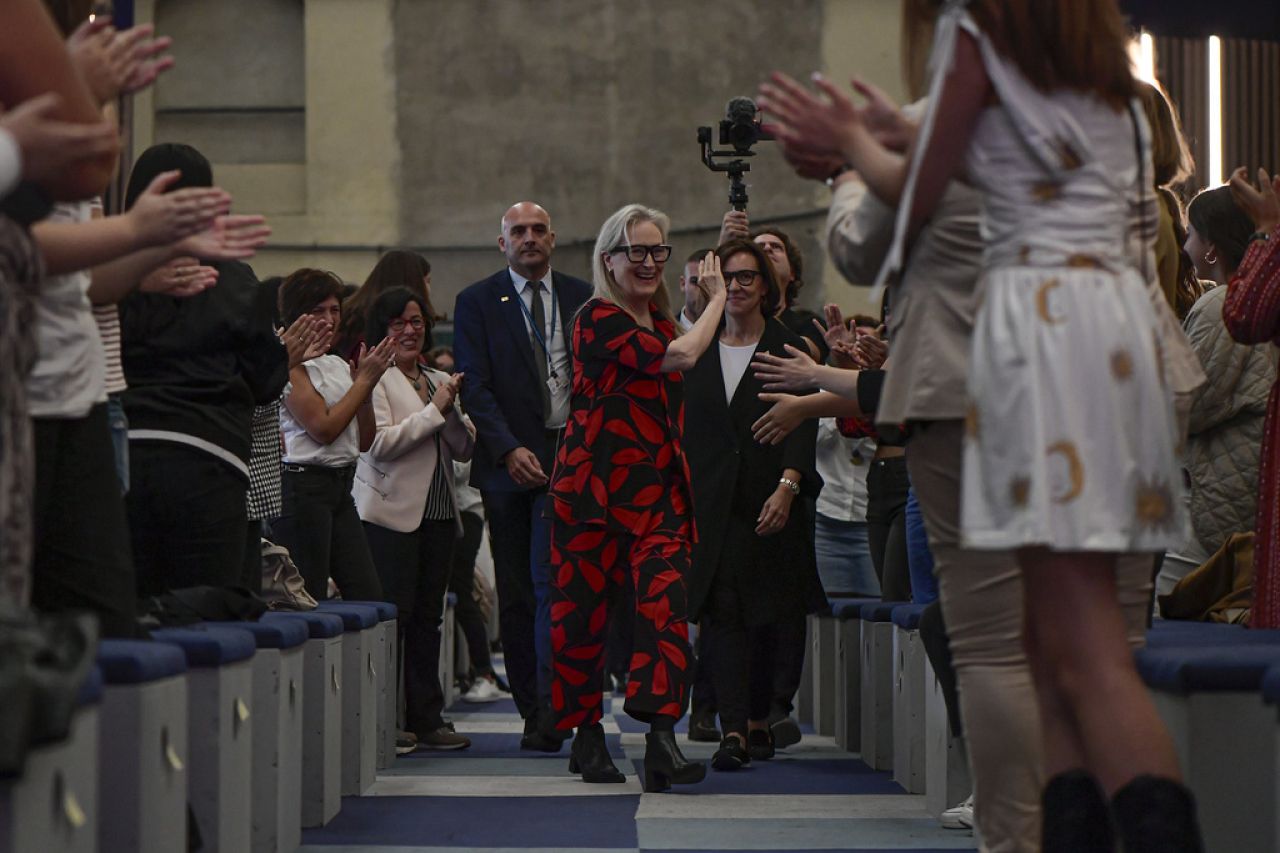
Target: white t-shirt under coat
[{"x": 734, "y": 362}]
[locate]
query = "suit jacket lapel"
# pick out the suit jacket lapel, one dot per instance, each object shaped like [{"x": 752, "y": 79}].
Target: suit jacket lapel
[
  {"x": 504, "y": 293},
  {"x": 713, "y": 386}
]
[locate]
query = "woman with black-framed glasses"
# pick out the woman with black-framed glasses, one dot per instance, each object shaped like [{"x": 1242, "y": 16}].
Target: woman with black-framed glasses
[
  {"x": 621, "y": 502},
  {"x": 754, "y": 568}
]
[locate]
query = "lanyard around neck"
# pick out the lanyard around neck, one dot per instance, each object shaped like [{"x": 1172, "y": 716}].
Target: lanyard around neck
[{"x": 538, "y": 333}]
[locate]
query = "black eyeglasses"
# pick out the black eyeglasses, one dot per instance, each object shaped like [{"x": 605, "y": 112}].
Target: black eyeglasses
[
  {"x": 744, "y": 278},
  {"x": 397, "y": 326},
  {"x": 637, "y": 254}
]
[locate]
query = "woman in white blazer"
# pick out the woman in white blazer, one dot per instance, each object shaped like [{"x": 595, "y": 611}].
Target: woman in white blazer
[{"x": 403, "y": 491}]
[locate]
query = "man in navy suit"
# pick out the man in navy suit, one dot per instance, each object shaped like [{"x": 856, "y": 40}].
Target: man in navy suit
[{"x": 511, "y": 339}]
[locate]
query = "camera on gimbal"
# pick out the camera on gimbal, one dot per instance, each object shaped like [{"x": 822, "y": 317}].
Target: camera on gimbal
[{"x": 741, "y": 130}]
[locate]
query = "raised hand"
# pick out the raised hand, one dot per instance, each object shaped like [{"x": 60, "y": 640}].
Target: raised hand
[
  {"x": 303, "y": 340},
  {"x": 50, "y": 146},
  {"x": 806, "y": 123},
  {"x": 871, "y": 351},
  {"x": 882, "y": 117},
  {"x": 836, "y": 331},
  {"x": 1262, "y": 202},
  {"x": 710, "y": 278},
  {"x": 180, "y": 277},
  {"x": 116, "y": 63},
  {"x": 370, "y": 364},
  {"x": 797, "y": 373},
  {"x": 446, "y": 393},
  {"x": 229, "y": 238},
  {"x": 735, "y": 226},
  {"x": 160, "y": 217}
]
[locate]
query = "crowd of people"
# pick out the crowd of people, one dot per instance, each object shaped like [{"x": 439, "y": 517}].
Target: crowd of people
[{"x": 1069, "y": 396}]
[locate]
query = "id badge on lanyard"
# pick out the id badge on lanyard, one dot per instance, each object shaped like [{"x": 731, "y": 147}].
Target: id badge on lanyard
[{"x": 555, "y": 382}]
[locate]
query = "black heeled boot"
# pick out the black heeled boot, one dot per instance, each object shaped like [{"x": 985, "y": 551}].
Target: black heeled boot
[
  {"x": 1076, "y": 817},
  {"x": 589, "y": 756},
  {"x": 665, "y": 765},
  {"x": 1157, "y": 816}
]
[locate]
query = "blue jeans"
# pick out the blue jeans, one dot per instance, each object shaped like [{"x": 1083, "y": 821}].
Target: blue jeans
[
  {"x": 119, "y": 426},
  {"x": 924, "y": 586},
  {"x": 844, "y": 558}
]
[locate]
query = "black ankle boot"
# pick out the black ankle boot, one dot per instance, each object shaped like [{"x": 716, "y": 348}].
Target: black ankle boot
[
  {"x": 589, "y": 756},
  {"x": 1157, "y": 816},
  {"x": 664, "y": 765},
  {"x": 1076, "y": 817}
]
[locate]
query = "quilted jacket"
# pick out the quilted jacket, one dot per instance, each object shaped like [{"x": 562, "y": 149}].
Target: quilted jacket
[{"x": 1227, "y": 414}]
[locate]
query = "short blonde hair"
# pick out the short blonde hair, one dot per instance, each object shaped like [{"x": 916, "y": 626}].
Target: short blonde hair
[{"x": 615, "y": 232}]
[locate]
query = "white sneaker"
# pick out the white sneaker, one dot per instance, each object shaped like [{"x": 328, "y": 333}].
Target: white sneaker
[
  {"x": 482, "y": 690},
  {"x": 958, "y": 817}
]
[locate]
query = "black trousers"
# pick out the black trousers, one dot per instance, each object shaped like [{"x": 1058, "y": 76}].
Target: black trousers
[
  {"x": 744, "y": 664},
  {"x": 933, "y": 633},
  {"x": 887, "y": 487},
  {"x": 414, "y": 569},
  {"x": 513, "y": 517},
  {"x": 320, "y": 527},
  {"x": 789, "y": 648},
  {"x": 187, "y": 516},
  {"x": 703, "y": 693},
  {"x": 82, "y": 556},
  {"x": 462, "y": 581}
]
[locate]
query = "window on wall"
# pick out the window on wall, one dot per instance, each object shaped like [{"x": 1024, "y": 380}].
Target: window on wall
[{"x": 238, "y": 90}]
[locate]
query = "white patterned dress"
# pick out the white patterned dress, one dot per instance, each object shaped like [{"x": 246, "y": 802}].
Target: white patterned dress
[{"x": 1072, "y": 438}]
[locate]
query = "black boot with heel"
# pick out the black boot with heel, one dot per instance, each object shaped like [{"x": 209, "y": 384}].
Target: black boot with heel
[
  {"x": 665, "y": 765},
  {"x": 590, "y": 757},
  {"x": 1156, "y": 815},
  {"x": 1076, "y": 817}
]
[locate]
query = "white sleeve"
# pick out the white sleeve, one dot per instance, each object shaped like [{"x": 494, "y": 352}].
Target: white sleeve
[{"x": 10, "y": 162}]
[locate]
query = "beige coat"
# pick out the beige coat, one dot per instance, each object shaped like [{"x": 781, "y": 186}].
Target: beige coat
[
  {"x": 1223, "y": 448},
  {"x": 394, "y": 475},
  {"x": 931, "y": 306}
]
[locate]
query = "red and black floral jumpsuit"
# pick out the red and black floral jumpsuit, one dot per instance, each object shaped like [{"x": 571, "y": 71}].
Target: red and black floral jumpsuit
[{"x": 620, "y": 496}]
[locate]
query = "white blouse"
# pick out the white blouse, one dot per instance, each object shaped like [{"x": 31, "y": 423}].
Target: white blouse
[{"x": 331, "y": 376}]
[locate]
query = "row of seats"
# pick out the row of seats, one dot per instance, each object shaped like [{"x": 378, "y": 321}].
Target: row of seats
[
  {"x": 253, "y": 730},
  {"x": 869, "y": 684}
]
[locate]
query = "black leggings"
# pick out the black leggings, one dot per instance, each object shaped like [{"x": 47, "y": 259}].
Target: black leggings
[
  {"x": 322, "y": 531},
  {"x": 462, "y": 582},
  {"x": 887, "y": 487}
]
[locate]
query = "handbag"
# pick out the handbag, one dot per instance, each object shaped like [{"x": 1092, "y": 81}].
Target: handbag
[{"x": 282, "y": 584}]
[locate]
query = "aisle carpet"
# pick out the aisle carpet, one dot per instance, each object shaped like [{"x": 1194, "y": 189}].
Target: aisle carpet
[{"x": 495, "y": 797}]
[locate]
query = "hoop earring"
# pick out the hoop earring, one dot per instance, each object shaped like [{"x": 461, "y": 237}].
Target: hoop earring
[{"x": 1210, "y": 257}]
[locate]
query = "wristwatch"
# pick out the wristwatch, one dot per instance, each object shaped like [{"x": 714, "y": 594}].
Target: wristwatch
[
  {"x": 790, "y": 484},
  {"x": 1264, "y": 236}
]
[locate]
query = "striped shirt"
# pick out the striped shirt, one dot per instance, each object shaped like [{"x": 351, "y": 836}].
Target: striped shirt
[
  {"x": 108, "y": 319},
  {"x": 439, "y": 498}
]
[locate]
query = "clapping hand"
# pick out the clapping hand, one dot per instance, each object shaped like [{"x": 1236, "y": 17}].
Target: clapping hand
[
  {"x": 180, "y": 277},
  {"x": 447, "y": 392},
  {"x": 303, "y": 340},
  {"x": 796, "y": 373},
  {"x": 116, "y": 63},
  {"x": 48, "y": 145},
  {"x": 160, "y": 217},
  {"x": 229, "y": 238},
  {"x": 836, "y": 333},
  {"x": 810, "y": 126},
  {"x": 1262, "y": 203},
  {"x": 370, "y": 364},
  {"x": 871, "y": 351}
]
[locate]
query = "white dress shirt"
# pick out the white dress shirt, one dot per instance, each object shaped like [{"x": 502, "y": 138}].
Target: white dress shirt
[
  {"x": 554, "y": 336},
  {"x": 842, "y": 463},
  {"x": 10, "y": 163}
]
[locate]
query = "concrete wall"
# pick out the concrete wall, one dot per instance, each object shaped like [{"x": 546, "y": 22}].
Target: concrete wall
[{"x": 420, "y": 121}]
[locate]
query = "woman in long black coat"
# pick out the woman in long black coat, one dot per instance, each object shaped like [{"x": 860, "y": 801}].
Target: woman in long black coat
[{"x": 753, "y": 566}]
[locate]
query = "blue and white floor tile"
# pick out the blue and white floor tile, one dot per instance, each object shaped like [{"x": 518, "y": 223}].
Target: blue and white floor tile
[{"x": 493, "y": 797}]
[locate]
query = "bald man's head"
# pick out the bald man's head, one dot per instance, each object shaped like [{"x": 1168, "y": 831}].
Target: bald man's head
[{"x": 527, "y": 239}]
